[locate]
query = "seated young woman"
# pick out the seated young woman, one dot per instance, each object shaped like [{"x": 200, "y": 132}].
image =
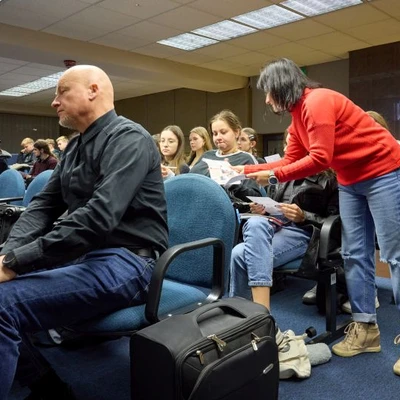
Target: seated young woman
[
  {"x": 304, "y": 205},
  {"x": 200, "y": 142},
  {"x": 172, "y": 148},
  {"x": 226, "y": 128}
]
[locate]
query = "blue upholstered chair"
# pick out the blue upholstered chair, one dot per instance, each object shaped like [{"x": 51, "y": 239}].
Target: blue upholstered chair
[
  {"x": 202, "y": 232},
  {"x": 11, "y": 186},
  {"x": 36, "y": 186}
]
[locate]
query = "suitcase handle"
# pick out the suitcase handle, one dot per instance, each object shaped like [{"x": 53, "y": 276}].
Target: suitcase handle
[{"x": 242, "y": 307}]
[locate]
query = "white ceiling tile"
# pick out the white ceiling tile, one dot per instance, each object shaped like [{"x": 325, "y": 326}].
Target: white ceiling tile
[
  {"x": 146, "y": 8},
  {"x": 158, "y": 50},
  {"x": 377, "y": 31},
  {"x": 256, "y": 41},
  {"x": 248, "y": 70},
  {"x": 57, "y": 9},
  {"x": 391, "y": 7},
  {"x": 220, "y": 65},
  {"x": 286, "y": 50},
  {"x": 250, "y": 58},
  {"x": 313, "y": 57},
  {"x": 122, "y": 42},
  {"x": 76, "y": 31},
  {"x": 192, "y": 58},
  {"x": 193, "y": 18},
  {"x": 4, "y": 60},
  {"x": 110, "y": 20},
  {"x": 300, "y": 30},
  {"x": 18, "y": 17},
  {"x": 221, "y": 50},
  {"x": 332, "y": 40},
  {"x": 352, "y": 16},
  {"x": 150, "y": 31},
  {"x": 228, "y": 8}
]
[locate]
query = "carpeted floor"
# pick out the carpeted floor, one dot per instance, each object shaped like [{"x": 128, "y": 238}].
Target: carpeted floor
[{"x": 101, "y": 372}]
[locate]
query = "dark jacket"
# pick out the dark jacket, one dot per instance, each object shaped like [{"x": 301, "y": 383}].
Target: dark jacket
[{"x": 318, "y": 197}]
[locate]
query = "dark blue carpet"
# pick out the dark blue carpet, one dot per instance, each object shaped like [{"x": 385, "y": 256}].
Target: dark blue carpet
[{"x": 101, "y": 372}]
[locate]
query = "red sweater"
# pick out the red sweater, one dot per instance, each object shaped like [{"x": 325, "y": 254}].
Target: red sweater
[{"x": 329, "y": 131}]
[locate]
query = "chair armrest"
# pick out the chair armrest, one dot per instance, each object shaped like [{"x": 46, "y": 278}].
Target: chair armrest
[
  {"x": 8, "y": 199},
  {"x": 160, "y": 269},
  {"x": 330, "y": 227}
]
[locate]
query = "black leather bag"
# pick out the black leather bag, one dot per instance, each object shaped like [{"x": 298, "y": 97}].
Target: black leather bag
[{"x": 223, "y": 350}]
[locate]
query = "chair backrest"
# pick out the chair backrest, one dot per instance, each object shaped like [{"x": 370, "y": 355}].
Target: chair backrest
[
  {"x": 12, "y": 185},
  {"x": 198, "y": 208},
  {"x": 36, "y": 186}
]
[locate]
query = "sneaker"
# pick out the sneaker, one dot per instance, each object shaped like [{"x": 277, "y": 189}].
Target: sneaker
[
  {"x": 310, "y": 297},
  {"x": 360, "y": 338},
  {"x": 396, "y": 367},
  {"x": 346, "y": 307},
  {"x": 293, "y": 356}
]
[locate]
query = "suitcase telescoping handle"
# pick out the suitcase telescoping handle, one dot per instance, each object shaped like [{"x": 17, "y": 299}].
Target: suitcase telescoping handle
[{"x": 242, "y": 307}]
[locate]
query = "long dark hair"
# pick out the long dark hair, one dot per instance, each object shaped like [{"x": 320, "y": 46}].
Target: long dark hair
[{"x": 285, "y": 82}]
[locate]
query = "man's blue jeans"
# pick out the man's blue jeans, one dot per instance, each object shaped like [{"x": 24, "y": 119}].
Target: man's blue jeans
[
  {"x": 365, "y": 208},
  {"x": 263, "y": 248},
  {"x": 98, "y": 283}
]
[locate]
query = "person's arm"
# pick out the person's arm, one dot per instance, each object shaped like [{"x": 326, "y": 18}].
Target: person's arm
[{"x": 119, "y": 180}]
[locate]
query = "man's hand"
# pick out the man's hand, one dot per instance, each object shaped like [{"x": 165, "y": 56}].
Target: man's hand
[
  {"x": 292, "y": 212},
  {"x": 260, "y": 177},
  {"x": 6, "y": 274}
]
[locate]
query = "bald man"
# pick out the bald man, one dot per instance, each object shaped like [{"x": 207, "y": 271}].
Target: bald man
[{"x": 100, "y": 257}]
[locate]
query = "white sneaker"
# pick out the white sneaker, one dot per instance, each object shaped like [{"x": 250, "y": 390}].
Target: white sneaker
[
  {"x": 310, "y": 297},
  {"x": 293, "y": 356},
  {"x": 346, "y": 307}
]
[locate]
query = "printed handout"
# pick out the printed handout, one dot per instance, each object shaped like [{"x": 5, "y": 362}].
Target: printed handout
[
  {"x": 222, "y": 173},
  {"x": 271, "y": 206}
]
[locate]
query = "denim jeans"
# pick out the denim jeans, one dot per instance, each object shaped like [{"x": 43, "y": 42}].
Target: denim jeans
[
  {"x": 99, "y": 282},
  {"x": 366, "y": 208},
  {"x": 263, "y": 248}
]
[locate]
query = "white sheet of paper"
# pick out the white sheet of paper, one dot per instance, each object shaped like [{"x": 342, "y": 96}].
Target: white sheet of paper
[
  {"x": 272, "y": 158},
  {"x": 222, "y": 173},
  {"x": 270, "y": 205}
]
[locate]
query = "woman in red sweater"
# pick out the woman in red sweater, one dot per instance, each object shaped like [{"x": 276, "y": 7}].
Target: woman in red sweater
[{"x": 330, "y": 131}]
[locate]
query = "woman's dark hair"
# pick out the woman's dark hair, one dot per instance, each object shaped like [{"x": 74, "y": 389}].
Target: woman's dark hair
[{"x": 285, "y": 82}]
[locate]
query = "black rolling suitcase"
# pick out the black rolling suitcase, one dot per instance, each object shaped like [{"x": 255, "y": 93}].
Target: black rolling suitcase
[{"x": 223, "y": 350}]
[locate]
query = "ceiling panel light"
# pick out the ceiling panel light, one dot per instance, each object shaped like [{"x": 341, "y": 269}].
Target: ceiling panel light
[
  {"x": 187, "y": 41},
  {"x": 317, "y": 7},
  {"x": 47, "y": 82},
  {"x": 268, "y": 17},
  {"x": 224, "y": 30}
]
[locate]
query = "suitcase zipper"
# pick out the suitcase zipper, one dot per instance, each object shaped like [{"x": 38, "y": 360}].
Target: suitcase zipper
[{"x": 204, "y": 344}]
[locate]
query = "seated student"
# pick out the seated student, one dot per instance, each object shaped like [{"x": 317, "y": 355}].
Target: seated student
[
  {"x": 26, "y": 157},
  {"x": 305, "y": 203},
  {"x": 100, "y": 257},
  {"x": 62, "y": 142},
  {"x": 172, "y": 148},
  {"x": 3, "y": 159},
  {"x": 226, "y": 127},
  {"x": 248, "y": 143},
  {"x": 54, "y": 151},
  {"x": 200, "y": 142},
  {"x": 45, "y": 160}
]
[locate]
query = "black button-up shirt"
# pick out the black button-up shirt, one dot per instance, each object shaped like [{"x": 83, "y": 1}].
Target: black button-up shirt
[{"x": 109, "y": 180}]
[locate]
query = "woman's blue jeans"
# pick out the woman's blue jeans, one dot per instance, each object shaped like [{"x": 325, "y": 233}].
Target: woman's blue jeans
[
  {"x": 263, "y": 248},
  {"x": 98, "y": 283},
  {"x": 366, "y": 208}
]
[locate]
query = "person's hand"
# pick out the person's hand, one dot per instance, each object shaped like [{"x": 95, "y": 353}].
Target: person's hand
[
  {"x": 166, "y": 172},
  {"x": 238, "y": 168},
  {"x": 6, "y": 274},
  {"x": 257, "y": 208},
  {"x": 261, "y": 177},
  {"x": 292, "y": 212}
]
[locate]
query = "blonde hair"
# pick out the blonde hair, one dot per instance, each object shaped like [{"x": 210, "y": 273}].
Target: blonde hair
[
  {"x": 230, "y": 118},
  {"x": 63, "y": 138},
  {"x": 27, "y": 140},
  {"x": 203, "y": 133},
  {"x": 252, "y": 135},
  {"x": 179, "y": 158},
  {"x": 378, "y": 118}
]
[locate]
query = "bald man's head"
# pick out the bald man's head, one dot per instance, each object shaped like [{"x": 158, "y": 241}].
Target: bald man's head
[{"x": 84, "y": 93}]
